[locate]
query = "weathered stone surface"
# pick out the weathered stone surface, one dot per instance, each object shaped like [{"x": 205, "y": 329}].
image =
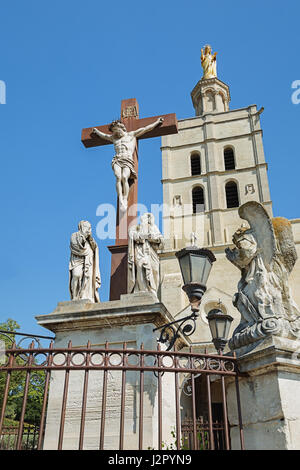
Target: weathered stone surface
[
  {"x": 262, "y": 436},
  {"x": 270, "y": 408},
  {"x": 129, "y": 320},
  {"x": 137, "y": 309}
]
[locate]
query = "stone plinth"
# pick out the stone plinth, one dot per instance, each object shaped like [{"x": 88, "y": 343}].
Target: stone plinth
[
  {"x": 132, "y": 320},
  {"x": 270, "y": 392}
]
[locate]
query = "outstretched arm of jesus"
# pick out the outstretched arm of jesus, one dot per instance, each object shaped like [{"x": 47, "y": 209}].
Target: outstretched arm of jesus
[
  {"x": 143, "y": 130},
  {"x": 102, "y": 135}
]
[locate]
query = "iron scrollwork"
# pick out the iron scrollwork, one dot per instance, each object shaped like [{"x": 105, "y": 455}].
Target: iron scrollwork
[
  {"x": 32, "y": 338},
  {"x": 171, "y": 331}
]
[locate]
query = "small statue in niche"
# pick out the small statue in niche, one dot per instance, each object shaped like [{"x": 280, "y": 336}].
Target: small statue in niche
[{"x": 249, "y": 189}]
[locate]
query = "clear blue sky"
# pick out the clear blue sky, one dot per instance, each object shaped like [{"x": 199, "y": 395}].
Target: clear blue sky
[{"x": 67, "y": 65}]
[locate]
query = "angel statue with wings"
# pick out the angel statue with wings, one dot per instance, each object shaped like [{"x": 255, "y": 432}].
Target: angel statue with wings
[{"x": 265, "y": 253}]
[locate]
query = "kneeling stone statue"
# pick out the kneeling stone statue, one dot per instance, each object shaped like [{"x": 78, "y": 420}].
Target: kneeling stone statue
[
  {"x": 84, "y": 279},
  {"x": 266, "y": 254}
]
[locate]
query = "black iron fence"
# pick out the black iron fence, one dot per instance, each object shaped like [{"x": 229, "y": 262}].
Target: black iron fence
[
  {"x": 202, "y": 434},
  {"x": 9, "y": 436},
  {"x": 113, "y": 398}
]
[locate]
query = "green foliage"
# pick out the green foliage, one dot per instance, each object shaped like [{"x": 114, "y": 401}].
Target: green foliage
[
  {"x": 34, "y": 399},
  {"x": 10, "y": 432},
  {"x": 174, "y": 445},
  {"x": 17, "y": 382},
  {"x": 202, "y": 438},
  {"x": 9, "y": 325}
]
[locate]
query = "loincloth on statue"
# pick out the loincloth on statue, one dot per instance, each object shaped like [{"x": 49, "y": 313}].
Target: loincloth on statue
[{"x": 124, "y": 162}]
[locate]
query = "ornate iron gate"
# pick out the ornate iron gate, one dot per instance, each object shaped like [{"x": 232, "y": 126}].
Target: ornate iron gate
[{"x": 142, "y": 376}]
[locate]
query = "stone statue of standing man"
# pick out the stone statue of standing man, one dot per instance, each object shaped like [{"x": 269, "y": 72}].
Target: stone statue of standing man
[
  {"x": 122, "y": 163},
  {"x": 84, "y": 264}
]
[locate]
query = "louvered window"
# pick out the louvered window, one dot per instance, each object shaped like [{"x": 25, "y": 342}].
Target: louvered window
[
  {"x": 232, "y": 197},
  {"x": 198, "y": 199},
  {"x": 229, "y": 161},
  {"x": 195, "y": 164}
]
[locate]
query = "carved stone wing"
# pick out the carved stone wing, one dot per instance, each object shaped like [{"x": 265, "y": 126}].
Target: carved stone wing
[
  {"x": 261, "y": 225},
  {"x": 285, "y": 242}
]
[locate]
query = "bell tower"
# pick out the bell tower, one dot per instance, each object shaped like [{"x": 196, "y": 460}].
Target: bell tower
[
  {"x": 214, "y": 164},
  {"x": 210, "y": 96}
]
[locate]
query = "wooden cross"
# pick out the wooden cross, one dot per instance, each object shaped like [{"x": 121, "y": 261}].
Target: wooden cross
[{"x": 130, "y": 117}]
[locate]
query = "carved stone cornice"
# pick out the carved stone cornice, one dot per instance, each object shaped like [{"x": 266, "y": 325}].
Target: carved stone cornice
[
  {"x": 131, "y": 310},
  {"x": 210, "y": 83}
]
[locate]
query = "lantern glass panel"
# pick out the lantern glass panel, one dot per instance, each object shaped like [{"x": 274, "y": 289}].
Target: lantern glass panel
[
  {"x": 184, "y": 262},
  {"x": 221, "y": 328},
  {"x": 213, "y": 328},
  {"x": 200, "y": 268},
  {"x": 196, "y": 268},
  {"x": 207, "y": 269},
  {"x": 228, "y": 324}
]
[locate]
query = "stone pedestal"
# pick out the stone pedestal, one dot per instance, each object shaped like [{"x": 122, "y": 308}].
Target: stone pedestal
[
  {"x": 270, "y": 391},
  {"x": 210, "y": 96},
  {"x": 132, "y": 320},
  {"x": 119, "y": 271}
]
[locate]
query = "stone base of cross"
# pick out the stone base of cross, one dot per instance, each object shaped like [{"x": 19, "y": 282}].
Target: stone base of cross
[{"x": 128, "y": 216}]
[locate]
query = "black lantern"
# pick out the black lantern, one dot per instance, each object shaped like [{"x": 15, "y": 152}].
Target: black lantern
[
  {"x": 219, "y": 324},
  {"x": 195, "y": 264}
]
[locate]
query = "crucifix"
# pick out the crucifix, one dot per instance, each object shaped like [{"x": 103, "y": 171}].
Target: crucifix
[{"x": 124, "y": 135}]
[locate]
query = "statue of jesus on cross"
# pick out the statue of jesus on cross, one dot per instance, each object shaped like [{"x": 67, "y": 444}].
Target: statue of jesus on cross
[
  {"x": 122, "y": 163},
  {"x": 125, "y": 135}
]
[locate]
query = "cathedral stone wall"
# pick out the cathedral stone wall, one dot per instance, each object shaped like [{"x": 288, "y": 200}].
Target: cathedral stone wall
[
  {"x": 208, "y": 135},
  {"x": 295, "y": 275}
]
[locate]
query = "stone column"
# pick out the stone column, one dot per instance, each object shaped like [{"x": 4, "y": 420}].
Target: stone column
[{"x": 270, "y": 397}]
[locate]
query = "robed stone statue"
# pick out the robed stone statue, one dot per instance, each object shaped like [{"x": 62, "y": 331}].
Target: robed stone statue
[
  {"x": 84, "y": 264},
  {"x": 143, "y": 261}
]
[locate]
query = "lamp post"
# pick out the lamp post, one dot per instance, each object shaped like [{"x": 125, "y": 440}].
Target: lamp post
[
  {"x": 195, "y": 265},
  {"x": 219, "y": 324}
]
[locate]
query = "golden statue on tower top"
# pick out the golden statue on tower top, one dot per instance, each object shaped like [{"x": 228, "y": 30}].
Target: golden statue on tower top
[{"x": 209, "y": 63}]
